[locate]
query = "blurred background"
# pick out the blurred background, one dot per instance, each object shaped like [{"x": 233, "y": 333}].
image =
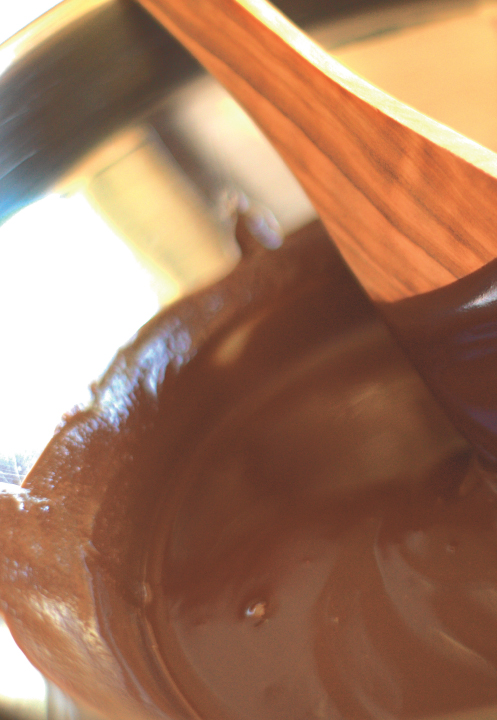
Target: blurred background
[
  {"x": 24, "y": 693},
  {"x": 16, "y": 16}
]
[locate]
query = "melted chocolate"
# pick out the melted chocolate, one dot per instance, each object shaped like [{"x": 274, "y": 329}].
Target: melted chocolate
[
  {"x": 451, "y": 335},
  {"x": 265, "y": 514},
  {"x": 318, "y": 559}
]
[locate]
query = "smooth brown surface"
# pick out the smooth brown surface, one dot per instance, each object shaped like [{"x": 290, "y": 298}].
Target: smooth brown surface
[
  {"x": 407, "y": 212},
  {"x": 321, "y": 556},
  {"x": 263, "y": 513},
  {"x": 283, "y": 595},
  {"x": 451, "y": 335}
]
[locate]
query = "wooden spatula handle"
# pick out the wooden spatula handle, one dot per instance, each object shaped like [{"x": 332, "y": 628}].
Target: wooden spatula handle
[{"x": 411, "y": 204}]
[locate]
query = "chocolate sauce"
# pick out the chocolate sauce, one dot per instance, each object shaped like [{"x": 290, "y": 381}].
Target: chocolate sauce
[
  {"x": 319, "y": 558},
  {"x": 451, "y": 335},
  {"x": 265, "y": 514}
]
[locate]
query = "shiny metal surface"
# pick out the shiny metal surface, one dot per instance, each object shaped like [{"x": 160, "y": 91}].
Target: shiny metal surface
[
  {"x": 112, "y": 146},
  {"x": 90, "y": 68}
]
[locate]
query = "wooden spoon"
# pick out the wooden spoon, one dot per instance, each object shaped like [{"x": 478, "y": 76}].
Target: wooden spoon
[{"x": 411, "y": 204}]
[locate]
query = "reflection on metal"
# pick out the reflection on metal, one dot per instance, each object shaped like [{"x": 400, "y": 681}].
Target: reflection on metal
[
  {"x": 85, "y": 70},
  {"x": 151, "y": 204},
  {"x": 71, "y": 305},
  {"x": 22, "y": 688},
  {"x": 220, "y": 146},
  {"x": 27, "y": 40},
  {"x": 61, "y": 707}
]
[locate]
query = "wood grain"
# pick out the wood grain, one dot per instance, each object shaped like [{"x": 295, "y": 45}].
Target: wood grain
[{"x": 411, "y": 204}]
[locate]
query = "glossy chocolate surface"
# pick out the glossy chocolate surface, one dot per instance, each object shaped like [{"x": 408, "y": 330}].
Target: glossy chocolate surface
[
  {"x": 314, "y": 561},
  {"x": 263, "y": 514},
  {"x": 451, "y": 334}
]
